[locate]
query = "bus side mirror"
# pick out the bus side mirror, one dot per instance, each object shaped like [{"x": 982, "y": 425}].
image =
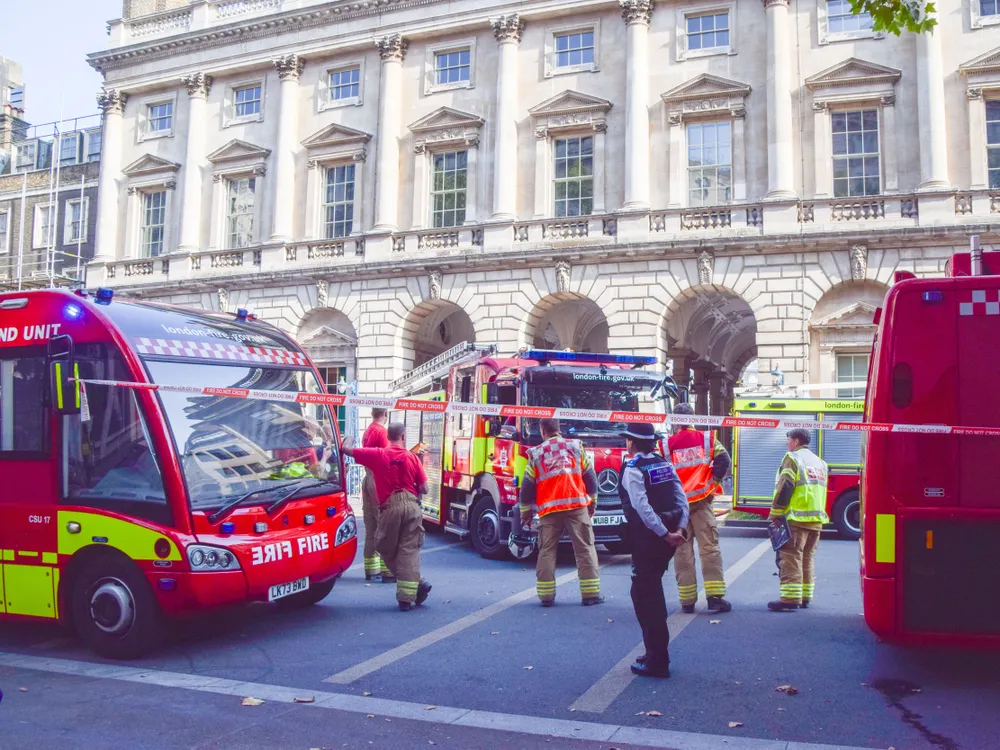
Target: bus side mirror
[{"x": 64, "y": 373}]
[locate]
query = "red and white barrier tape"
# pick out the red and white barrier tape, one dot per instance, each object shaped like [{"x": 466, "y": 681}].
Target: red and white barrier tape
[{"x": 543, "y": 412}]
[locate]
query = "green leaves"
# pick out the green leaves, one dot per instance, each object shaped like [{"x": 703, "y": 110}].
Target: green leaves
[{"x": 894, "y": 16}]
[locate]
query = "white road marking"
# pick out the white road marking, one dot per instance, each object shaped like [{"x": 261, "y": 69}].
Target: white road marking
[
  {"x": 423, "y": 551},
  {"x": 606, "y": 690},
  {"x": 428, "y": 639},
  {"x": 443, "y": 715}
]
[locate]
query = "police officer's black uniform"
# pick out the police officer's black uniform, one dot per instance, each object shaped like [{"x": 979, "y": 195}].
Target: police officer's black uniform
[{"x": 651, "y": 554}]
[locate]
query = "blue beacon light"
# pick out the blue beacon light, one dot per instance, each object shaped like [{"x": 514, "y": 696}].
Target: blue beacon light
[
  {"x": 104, "y": 296},
  {"x": 73, "y": 311}
]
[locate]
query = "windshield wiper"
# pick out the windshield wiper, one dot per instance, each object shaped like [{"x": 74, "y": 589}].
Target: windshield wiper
[
  {"x": 277, "y": 504},
  {"x": 229, "y": 507}
]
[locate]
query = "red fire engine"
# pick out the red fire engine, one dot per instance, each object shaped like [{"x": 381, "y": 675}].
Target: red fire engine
[
  {"x": 121, "y": 506},
  {"x": 930, "y": 505},
  {"x": 475, "y": 463}
]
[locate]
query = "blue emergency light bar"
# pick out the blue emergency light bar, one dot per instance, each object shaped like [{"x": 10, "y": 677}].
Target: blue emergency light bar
[{"x": 546, "y": 355}]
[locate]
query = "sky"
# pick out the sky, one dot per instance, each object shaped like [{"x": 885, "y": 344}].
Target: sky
[{"x": 51, "y": 40}]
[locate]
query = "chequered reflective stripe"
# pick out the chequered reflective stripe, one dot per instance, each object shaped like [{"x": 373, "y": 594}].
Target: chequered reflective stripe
[
  {"x": 715, "y": 588},
  {"x": 546, "y": 590},
  {"x": 213, "y": 350},
  {"x": 980, "y": 302},
  {"x": 590, "y": 587},
  {"x": 406, "y": 591},
  {"x": 807, "y": 590},
  {"x": 791, "y": 592},
  {"x": 688, "y": 594},
  {"x": 372, "y": 565}
]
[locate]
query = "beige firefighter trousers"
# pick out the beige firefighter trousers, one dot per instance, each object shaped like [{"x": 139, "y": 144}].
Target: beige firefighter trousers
[
  {"x": 581, "y": 533},
  {"x": 796, "y": 561},
  {"x": 399, "y": 539},
  {"x": 370, "y": 512},
  {"x": 703, "y": 529}
]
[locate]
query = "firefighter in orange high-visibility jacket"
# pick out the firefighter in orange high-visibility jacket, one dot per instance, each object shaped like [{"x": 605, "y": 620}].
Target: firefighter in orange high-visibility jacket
[
  {"x": 701, "y": 462},
  {"x": 560, "y": 482}
]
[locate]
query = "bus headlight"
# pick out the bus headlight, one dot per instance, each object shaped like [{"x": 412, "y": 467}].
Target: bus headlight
[
  {"x": 348, "y": 530},
  {"x": 205, "y": 558}
]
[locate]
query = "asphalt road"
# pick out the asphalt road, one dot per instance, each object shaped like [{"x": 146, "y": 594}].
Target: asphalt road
[{"x": 482, "y": 666}]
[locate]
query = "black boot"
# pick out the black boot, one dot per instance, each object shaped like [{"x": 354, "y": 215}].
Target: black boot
[
  {"x": 718, "y": 604},
  {"x": 405, "y": 606},
  {"x": 782, "y": 606},
  {"x": 423, "y": 589},
  {"x": 687, "y": 609},
  {"x": 805, "y": 604},
  {"x": 645, "y": 669}
]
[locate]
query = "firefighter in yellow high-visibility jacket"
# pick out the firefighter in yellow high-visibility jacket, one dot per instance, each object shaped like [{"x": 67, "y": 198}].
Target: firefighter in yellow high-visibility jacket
[{"x": 560, "y": 481}]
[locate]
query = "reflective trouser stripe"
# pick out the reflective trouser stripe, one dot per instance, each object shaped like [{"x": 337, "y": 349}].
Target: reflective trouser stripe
[
  {"x": 383, "y": 568},
  {"x": 372, "y": 565},
  {"x": 688, "y": 594},
  {"x": 807, "y": 590},
  {"x": 590, "y": 587},
  {"x": 791, "y": 592},
  {"x": 715, "y": 588},
  {"x": 406, "y": 591},
  {"x": 546, "y": 590}
]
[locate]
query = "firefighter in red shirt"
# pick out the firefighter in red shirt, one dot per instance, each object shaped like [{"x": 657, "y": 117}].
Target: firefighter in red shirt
[
  {"x": 701, "y": 462},
  {"x": 375, "y": 437},
  {"x": 399, "y": 483}
]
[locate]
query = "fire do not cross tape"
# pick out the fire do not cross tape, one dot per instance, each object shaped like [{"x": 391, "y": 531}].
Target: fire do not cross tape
[{"x": 544, "y": 412}]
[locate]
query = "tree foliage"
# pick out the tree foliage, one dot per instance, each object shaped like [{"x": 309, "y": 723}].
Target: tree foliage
[{"x": 896, "y": 15}]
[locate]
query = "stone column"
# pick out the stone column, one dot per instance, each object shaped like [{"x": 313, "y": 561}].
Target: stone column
[
  {"x": 780, "y": 159},
  {"x": 637, "y": 15},
  {"x": 681, "y": 364},
  {"x": 391, "y": 49},
  {"x": 701, "y": 387},
  {"x": 289, "y": 70},
  {"x": 198, "y": 86},
  {"x": 932, "y": 113},
  {"x": 717, "y": 392},
  {"x": 507, "y": 30},
  {"x": 112, "y": 102}
]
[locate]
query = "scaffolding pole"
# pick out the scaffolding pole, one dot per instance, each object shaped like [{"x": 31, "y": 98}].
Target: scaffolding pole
[{"x": 20, "y": 231}]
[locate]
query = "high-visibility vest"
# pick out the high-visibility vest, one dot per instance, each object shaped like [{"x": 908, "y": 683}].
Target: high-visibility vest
[
  {"x": 808, "y": 503},
  {"x": 691, "y": 453},
  {"x": 557, "y": 468}
]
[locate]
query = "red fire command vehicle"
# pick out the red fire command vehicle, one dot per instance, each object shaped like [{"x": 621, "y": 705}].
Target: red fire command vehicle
[
  {"x": 122, "y": 507},
  {"x": 930, "y": 545},
  {"x": 475, "y": 463},
  {"x": 758, "y": 453}
]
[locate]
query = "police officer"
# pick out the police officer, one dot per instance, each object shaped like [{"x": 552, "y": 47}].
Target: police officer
[
  {"x": 657, "y": 514},
  {"x": 800, "y": 497}
]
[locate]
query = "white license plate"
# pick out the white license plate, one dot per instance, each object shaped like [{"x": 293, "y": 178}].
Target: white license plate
[
  {"x": 607, "y": 520},
  {"x": 281, "y": 590}
]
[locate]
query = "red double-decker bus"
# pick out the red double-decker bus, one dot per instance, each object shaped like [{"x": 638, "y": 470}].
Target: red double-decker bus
[
  {"x": 930, "y": 569},
  {"x": 121, "y": 507}
]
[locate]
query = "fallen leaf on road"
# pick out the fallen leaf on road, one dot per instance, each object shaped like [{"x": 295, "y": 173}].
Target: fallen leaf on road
[
  {"x": 641, "y": 713},
  {"x": 494, "y": 632},
  {"x": 371, "y": 716},
  {"x": 738, "y": 682},
  {"x": 251, "y": 702},
  {"x": 734, "y": 724},
  {"x": 368, "y": 585},
  {"x": 610, "y": 620},
  {"x": 787, "y": 690},
  {"x": 714, "y": 622},
  {"x": 529, "y": 668},
  {"x": 781, "y": 709},
  {"x": 431, "y": 742},
  {"x": 447, "y": 601},
  {"x": 653, "y": 713},
  {"x": 366, "y": 695},
  {"x": 23, "y": 690},
  {"x": 310, "y": 699},
  {"x": 429, "y": 708}
]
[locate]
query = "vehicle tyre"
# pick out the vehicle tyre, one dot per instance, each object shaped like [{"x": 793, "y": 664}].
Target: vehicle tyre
[
  {"x": 114, "y": 609},
  {"x": 621, "y": 547},
  {"x": 847, "y": 515},
  {"x": 313, "y": 595},
  {"x": 484, "y": 529}
]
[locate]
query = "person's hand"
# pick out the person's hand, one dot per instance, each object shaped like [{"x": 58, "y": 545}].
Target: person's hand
[
  {"x": 592, "y": 508},
  {"x": 348, "y": 442},
  {"x": 526, "y": 521},
  {"x": 674, "y": 539}
]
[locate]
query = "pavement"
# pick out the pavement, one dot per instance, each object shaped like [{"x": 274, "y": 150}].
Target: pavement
[{"x": 481, "y": 665}]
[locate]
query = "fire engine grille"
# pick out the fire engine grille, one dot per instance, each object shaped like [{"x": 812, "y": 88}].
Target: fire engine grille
[{"x": 607, "y": 490}]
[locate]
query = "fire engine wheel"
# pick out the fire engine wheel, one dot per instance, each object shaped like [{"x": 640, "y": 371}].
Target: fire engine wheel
[
  {"x": 313, "y": 595},
  {"x": 114, "y": 609},
  {"x": 484, "y": 528},
  {"x": 847, "y": 515}
]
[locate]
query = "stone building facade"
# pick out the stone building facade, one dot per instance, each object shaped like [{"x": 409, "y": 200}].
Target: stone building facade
[{"x": 712, "y": 182}]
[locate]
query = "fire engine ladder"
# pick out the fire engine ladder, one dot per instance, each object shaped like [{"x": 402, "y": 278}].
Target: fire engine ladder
[{"x": 439, "y": 367}]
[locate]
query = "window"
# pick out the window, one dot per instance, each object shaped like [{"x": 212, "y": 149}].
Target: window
[
  {"x": 93, "y": 145},
  {"x": 841, "y": 19},
  {"x": 448, "y": 189},
  {"x": 75, "y": 227},
  {"x": 246, "y": 101},
  {"x": 338, "y": 201},
  {"x": 69, "y": 149},
  {"x": 42, "y": 232},
  {"x": 4, "y": 231},
  {"x": 332, "y": 376},
  {"x": 452, "y": 67},
  {"x": 160, "y": 118},
  {"x": 239, "y": 211},
  {"x": 855, "y": 153},
  {"x": 710, "y": 160},
  {"x": 992, "y": 143},
  {"x": 574, "y": 50},
  {"x": 23, "y": 422},
  {"x": 852, "y": 368},
  {"x": 24, "y": 156},
  {"x": 574, "y": 176},
  {"x": 709, "y": 31},
  {"x": 153, "y": 226},
  {"x": 345, "y": 84},
  {"x": 986, "y": 8}
]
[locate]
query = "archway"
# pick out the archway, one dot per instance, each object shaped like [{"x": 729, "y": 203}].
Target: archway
[
  {"x": 569, "y": 322},
  {"x": 841, "y": 331},
  {"x": 431, "y": 328},
  {"x": 329, "y": 338}
]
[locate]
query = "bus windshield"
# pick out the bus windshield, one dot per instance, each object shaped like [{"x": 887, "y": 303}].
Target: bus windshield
[{"x": 229, "y": 447}]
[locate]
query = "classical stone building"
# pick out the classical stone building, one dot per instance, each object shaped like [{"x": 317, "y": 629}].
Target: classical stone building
[{"x": 707, "y": 181}]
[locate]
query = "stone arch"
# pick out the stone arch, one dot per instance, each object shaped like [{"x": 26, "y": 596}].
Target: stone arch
[
  {"x": 567, "y": 320},
  {"x": 331, "y": 341},
  {"x": 431, "y": 328},
  {"x": 841, "y": 331}
]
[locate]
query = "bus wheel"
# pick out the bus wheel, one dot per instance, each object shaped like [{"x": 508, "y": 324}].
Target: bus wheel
[
  {"x": 847, "y": 515},
  {"x": 484, "y": 528},
  {"x": 114, "y": 609},
  {"x": 313, "y": 595}
]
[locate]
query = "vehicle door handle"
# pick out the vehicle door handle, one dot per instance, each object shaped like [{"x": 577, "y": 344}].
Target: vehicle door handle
[
  {"x": 73, "y": 527},
  {"x": 491, "y": 457}
]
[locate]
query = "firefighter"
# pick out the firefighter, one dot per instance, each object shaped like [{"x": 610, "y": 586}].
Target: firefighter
[
  {"x": 657, "y": 513},
  {"x": 561, "y": 482},
  {"x": 799, "y": 497},
  {"x": 399, "y": 483},
  {"x": 701, "y": 462},
  {"x": 375, "y": 437}
]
